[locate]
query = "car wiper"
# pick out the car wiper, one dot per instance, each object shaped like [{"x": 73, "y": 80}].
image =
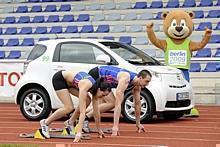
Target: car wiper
[
  {"x": 141, "y": 62},
  {"x": 156, "y": 62},
  {"x": 134, "y": 61},
  {"x": 150, "y": 63}
]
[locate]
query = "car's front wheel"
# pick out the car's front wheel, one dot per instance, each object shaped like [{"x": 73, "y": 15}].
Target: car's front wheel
[
  {"x": 147, "y": 107},
  {"x": 35, "y": 104}
]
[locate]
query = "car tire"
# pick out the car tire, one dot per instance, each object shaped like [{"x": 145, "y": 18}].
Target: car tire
[
  {"x": 148, "y": 107},
  {"x": 173, "y": 115},
  {"x": 35, "y": 104}
]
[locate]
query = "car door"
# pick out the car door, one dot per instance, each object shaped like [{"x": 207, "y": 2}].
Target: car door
[
  {"x": 71, "y": 55},
  {"x": 77, "y": 56}
]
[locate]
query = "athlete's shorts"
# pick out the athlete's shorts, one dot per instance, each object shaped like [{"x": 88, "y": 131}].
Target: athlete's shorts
[
  {"x": 82, "y": 75},
  {"x": 94, "y": 73},
  {"x": 59, "y": 82}
]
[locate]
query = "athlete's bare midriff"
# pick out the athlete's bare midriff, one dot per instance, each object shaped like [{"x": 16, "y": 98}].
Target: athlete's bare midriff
[{"x": 69, "y": 77}]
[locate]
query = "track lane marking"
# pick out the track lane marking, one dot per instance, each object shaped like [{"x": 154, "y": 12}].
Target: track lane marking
[{"x": 146, "y": 137}]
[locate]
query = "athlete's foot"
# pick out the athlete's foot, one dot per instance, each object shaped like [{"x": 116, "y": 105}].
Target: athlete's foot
[
  {"x": 69, "y": 126},
  {"x": 77, "y": 137},
  {"x": 86, "y": 126},
  {"x": 44, "y": 128}
]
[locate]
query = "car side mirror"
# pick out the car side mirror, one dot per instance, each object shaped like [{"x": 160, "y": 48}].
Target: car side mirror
[{"x": 103, "y": 59}]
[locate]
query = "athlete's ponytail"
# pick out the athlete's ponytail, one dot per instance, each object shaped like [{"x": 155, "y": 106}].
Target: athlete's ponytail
[{"x": 102, "y": 84}]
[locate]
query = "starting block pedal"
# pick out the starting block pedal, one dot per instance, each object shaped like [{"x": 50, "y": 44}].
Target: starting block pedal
[
  {"x": 66, "y": 131},
  {"x": 38, "y": 135}
]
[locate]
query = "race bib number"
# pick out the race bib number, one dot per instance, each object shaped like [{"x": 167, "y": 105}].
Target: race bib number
[{"x": 177, "y": 57}]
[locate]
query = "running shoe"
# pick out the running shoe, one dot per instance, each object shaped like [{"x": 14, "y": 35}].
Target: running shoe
[
  {"x": 86, "y": 126},
  {"x": 44, "y": 128},
  {"x": 69, "y": 127}
]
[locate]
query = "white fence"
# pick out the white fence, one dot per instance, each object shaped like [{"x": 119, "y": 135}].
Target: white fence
[{"x": 10, "y": 72}]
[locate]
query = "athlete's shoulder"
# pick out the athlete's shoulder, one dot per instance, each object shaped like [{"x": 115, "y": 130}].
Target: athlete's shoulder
[{"x": 109, "y": 67}]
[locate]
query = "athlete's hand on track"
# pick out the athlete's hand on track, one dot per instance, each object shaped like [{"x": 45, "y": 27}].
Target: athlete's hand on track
[
  {"x": 101, "y": 134},
  {"x": 77, "y": 137},
  {"x": 115, "y": 131},
  {"x": 140, "y": 128}
]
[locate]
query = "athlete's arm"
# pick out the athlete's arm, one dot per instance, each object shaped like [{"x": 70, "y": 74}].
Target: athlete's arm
[
  {"x": 137, "y": 105},
  {"x": 123, "y": 81},
  {"x": 84, "y": 85},
  {"x": 96, "y": 114}
]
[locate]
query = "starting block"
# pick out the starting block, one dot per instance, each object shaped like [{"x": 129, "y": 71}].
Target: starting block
[
  {"x": 91, "y": 130},
  {"x": 39, "y": 135}
]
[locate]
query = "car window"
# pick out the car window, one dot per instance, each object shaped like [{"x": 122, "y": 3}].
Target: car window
[
  {"x": 79, "y": 53},
  {"x": 131, "y": 54},
  {"x": 37, "y": 51}
]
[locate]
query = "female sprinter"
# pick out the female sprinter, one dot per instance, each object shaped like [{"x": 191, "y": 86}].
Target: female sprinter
[{"x": 78, "y": 84}]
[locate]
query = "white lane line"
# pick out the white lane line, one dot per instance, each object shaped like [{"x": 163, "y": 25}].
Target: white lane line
[
  {"x": 156, "y": 138},
  {"x": 127, "y": 130},
  {"x": 82, "y": 143},
  {"x": 30, "y": 127},
  {"x": 131, "y": 125},
  {"x": 169, "y": 123}
]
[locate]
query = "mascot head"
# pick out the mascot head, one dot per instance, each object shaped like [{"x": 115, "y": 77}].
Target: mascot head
[{"x": 177, "y": 24}]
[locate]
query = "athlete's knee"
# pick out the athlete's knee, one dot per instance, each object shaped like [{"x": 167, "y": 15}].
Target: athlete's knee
[
  {"x": 111, "y": 105},
  {"x": 77, "y": 112},
  {"x": 68, "y": 109}
]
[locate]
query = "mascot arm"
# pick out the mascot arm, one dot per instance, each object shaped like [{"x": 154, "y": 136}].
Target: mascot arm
[
  {"x": 153, "y": 39},
  {"x": 194, "y": 46}
]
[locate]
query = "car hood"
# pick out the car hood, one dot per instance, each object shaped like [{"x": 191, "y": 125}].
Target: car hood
[{"x": 160, "y": 69}]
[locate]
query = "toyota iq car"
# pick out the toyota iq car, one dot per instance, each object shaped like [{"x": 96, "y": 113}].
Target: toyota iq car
[{"x": 168, "y": 92}]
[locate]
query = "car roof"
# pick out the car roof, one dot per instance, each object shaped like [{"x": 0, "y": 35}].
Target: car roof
[{"x": 56, "y": 41}]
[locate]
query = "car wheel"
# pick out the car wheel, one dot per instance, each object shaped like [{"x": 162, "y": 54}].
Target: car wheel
[
  {"x": 147, "y": 107},
  {"x": 173, "y": 115},
  {"x": 35, "y": 104}
]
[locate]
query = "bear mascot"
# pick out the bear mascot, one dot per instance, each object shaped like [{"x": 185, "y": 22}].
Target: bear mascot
[{"x": 178, "y": 48}]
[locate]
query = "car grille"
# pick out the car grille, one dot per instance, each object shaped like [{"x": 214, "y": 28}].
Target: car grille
[
  {"x": 174, "y": 86},
  {"x": 176, "y": 104}
]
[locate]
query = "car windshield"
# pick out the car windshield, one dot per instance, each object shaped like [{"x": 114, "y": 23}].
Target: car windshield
[{"x": 131, "y": 54}]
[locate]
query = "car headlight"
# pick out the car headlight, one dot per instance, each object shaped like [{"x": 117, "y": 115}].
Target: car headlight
[
  {"x": 156, "y": 75},
  {"x": 180, "y": 76}
]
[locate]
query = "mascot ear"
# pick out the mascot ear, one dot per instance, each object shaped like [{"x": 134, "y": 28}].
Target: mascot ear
[
  {"x": 191, "y": 14},
  {"x": 164, "y": 15}
]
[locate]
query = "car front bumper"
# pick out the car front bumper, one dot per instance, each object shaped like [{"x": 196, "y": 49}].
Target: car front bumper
[{"x": 171, "y": 97}]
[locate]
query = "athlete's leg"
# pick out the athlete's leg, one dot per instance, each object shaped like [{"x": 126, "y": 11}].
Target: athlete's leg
[
  {"x": 108, "y": 104},
  {"x": 76, "y": 113},
  {"x": 68, "y": 107},
  {"x": 63, "y": 94}
]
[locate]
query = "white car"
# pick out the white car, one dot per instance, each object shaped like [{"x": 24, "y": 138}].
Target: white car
[{"x": 168, "y": 92}]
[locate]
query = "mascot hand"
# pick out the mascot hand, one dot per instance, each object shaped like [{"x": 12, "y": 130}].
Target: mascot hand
[
  {"x": 208, "y": 32},
  {"x": 149, "y": 25}
]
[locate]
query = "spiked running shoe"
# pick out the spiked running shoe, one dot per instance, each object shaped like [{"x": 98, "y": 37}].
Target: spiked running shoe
[
  {"x": 44, "y": 128},
  {"x": 69, "y": 127},
  {"x": 86, "y": 126}
]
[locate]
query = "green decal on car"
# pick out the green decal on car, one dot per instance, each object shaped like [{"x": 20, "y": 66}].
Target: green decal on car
[{"x": 45, "y": 58}]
